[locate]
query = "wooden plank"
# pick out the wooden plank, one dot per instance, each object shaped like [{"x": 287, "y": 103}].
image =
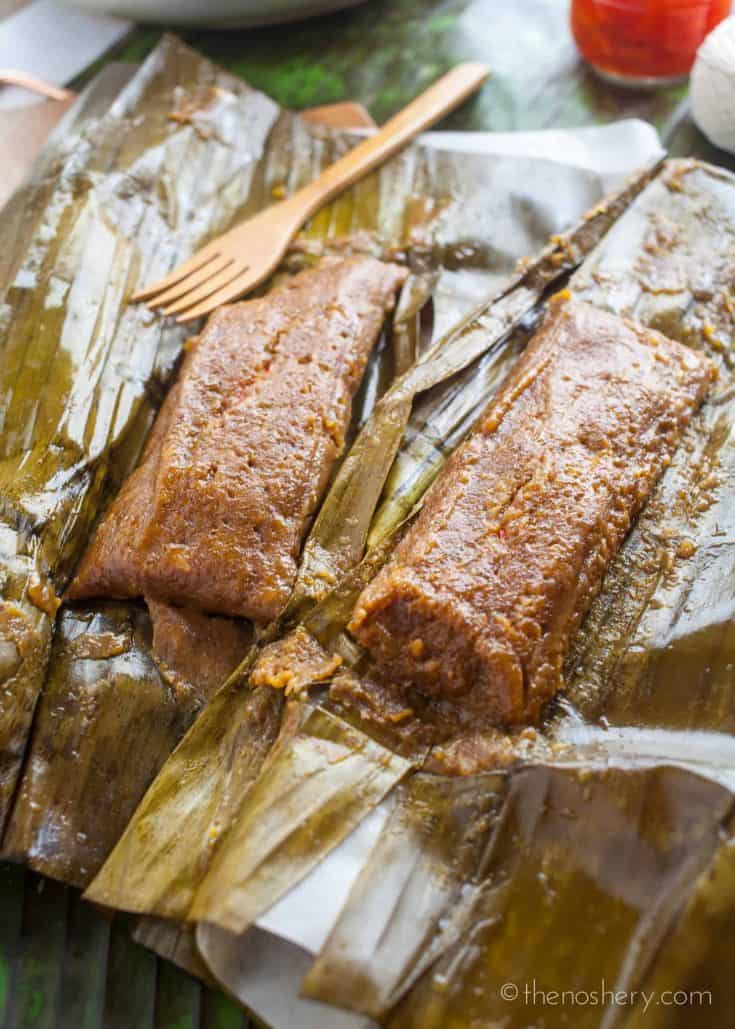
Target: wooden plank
[
  {"x": 34, "y": 998},
  {"x": 178, "y": 998},
  {"x": 83, "y": 984},
  {"x": 11, "y": 918},
  {"x": 132, "y": 973},
  {"x": 219, "y": 1012}
]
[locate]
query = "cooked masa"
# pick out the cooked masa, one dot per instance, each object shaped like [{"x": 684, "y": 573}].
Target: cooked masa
[
  {"x": 481, "y": 597},
  {"x": 214, "y": 516},
  {"x": 195, "y": 651}
]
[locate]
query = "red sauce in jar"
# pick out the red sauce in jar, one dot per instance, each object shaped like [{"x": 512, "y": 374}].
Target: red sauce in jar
[{"x": 644, "y": 40}]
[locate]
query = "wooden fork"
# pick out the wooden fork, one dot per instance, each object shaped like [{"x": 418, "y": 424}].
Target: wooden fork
[{"x": 242, "y": 258}]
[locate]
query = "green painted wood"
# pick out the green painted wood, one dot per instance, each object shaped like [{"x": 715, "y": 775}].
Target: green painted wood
[
  {"x": 65, "y": 965},
  {"x": 131, "y": 982},
  {"x": 178, "y": 999},
  {"x": 40, "y": 956},
  {"x": 11, "y": 917},
  {"x": 62, "y": 965},
  {"x": 82, "y": 994},
  {"x": 219, "y": 1012}
]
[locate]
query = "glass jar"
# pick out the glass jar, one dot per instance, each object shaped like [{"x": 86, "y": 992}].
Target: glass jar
[{"x": 644, "y": 42}]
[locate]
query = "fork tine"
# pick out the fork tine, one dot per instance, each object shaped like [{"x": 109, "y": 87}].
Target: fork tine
[
  {"x": 191, "y": 282},
  {"x": 244, "y": 282},
  {"x": 180, "y": 272},
  {"x": 224, "y": 278}
]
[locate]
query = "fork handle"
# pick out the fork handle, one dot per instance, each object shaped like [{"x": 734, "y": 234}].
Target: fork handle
[{"x": 443, "y": 96}]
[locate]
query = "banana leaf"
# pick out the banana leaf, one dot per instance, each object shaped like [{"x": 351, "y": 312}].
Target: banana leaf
[
  {"x": 194, "y": 798},
  {"x": 322, "y": 774},
  {"x": 583, "y": 877},
  {"x": 650, "y": 681},
  {"x": 199, "y": 150},
  {"x": 25, "y": 633},
  {"x": 438, "y": 822},
  {"x": 330, "y": 796},
  {"x": 78, "y": 740},
  {"x": 484, "y": 340},
  {"x": 699, "y": 956},
  {"x": 81, "y": 373},
  {"x": 372, "y": 969},
  {"x": 659, "y": 652},
  {"x": 610, "y": 828},
  {"x": 586, "y": 879}
]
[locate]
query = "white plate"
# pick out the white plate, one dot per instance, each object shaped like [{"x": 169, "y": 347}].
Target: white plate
[{"x": 213, "y": 13}]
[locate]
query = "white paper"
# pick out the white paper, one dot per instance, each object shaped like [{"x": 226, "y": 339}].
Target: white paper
[
  {"x": 295, "y": 916},
  {"x": 612, "y": 151},
  {"x": 265, "y": 973}
]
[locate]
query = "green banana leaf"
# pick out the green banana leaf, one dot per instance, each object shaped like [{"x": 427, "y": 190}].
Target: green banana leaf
[
  {"x": 337, "y": 542},
  {"x": 612, "y": 826},
  {"x": 698, "y": 957},
  {"x": 328, "y": 773},
  {"x": 193, "y": 800},
  {"x": 582, "y": 877},
  {"x": 121, "y": 216},
  {"x": 438, "y": 822},
  {"x": 648, "y": 783},
  {"x": 81, "y": 373},
  {"x": 659, "y": 653},
  {"x": 321, "y": 770},
  {"x": 79, "y": 757},
  {"x": 649, "y": 695},
  {"x": 25, "y": 634}
]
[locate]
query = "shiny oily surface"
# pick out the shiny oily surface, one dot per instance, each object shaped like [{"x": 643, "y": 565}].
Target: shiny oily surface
[
  {"x": 161, "y": 120},
  {"x": 244, "y": 446},
  {"x": 483, "y": 595},
  {"x": 58, "y": 955},
  {"x": 619, "y": 832},
  {"x": 114, "y": 394}
]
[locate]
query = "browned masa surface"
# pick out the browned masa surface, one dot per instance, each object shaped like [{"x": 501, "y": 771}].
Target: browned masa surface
[
  {"x": 294, "y": 663},
  {"x": 480, "y": 600},
  {"x": 194, "y": 650},
  {"x": 214, "y": 516}
]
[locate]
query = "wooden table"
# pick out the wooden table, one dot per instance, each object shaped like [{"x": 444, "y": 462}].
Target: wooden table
[{"x": 62, "y": 966}]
